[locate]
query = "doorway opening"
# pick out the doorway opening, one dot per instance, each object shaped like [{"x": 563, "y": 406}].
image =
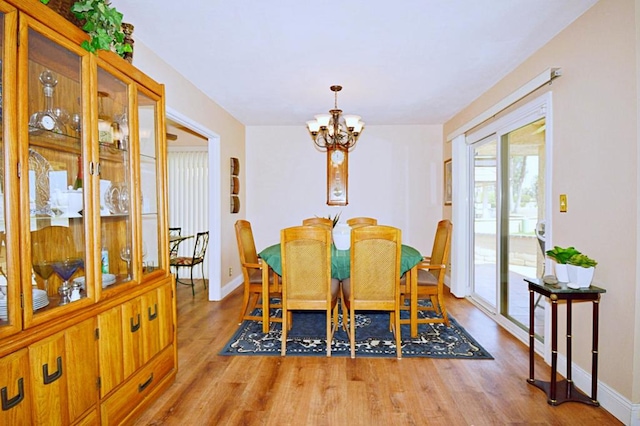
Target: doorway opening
[{"x": 191, "y": 136}]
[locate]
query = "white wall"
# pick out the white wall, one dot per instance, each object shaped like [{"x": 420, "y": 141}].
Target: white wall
[
  {"x": 391, "y": 168},
  {"x": 184, "y": 98},
  {"x": 595, "y": 162}
]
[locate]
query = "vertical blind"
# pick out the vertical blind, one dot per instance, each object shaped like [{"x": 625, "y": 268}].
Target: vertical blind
[{"x": 188, "y": 177}]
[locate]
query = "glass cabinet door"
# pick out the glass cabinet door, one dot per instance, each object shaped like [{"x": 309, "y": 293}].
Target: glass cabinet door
[
  {"x": 116, "y": 177},
  {"x": 147, "y": 119},
  {"x": 10, "y": 312},
  {"x": 5, "y": 287},
  {"x": 54, "y": 183}
]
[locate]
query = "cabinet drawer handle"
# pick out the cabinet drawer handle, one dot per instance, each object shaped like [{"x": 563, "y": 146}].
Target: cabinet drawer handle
[
  {"x": 144, "y": 385},
  {"x": 55, "y": 376},
  {"x": 8, "y": 403},
  {"x": 135, "y": 327},
  {"x": 154, "y": 315}
]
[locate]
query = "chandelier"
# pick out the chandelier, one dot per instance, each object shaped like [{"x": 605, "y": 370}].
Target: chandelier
[{"x": 333, "y": 130}]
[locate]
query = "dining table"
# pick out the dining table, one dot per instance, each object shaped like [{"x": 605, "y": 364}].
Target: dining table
[{"x": 340, "y": 269}]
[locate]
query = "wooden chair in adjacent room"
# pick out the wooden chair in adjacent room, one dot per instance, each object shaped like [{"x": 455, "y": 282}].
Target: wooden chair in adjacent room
[
  {"x": 361, "y": 221},
  {"x": 318, "y": 221},
  {"x": 431, "y": 273},
  {"x": 306, "y": 277},
  {"x": 374, "y": 279},
  {"x": 173, "y": 245},
  {"x": 190, "y": 262},
  {"x": 254, "y": 272}
]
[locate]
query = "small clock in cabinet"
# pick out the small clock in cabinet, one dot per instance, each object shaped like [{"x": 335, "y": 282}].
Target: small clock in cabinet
[{"x": 337, "y": 176}]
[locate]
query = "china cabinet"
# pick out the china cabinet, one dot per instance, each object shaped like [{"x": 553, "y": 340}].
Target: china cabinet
[{"x": 87, "y": 303}]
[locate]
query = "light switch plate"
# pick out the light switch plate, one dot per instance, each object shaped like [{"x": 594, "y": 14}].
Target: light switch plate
[{"x": 563, "y": 203}]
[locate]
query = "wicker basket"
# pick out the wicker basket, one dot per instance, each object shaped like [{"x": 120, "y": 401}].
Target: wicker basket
[{"x": 63, "y": 8}]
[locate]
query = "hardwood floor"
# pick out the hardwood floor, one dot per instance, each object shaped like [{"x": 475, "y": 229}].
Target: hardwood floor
[{"x": 250, "y": 390}]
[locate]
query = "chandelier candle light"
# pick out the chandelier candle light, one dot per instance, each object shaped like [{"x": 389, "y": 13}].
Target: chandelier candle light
[
  {"x": 337, "y": 135},
  {"x": 334, "y": 129}
]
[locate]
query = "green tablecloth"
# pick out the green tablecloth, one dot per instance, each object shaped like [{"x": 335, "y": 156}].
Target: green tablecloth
[{"x": 340, "y": 260}]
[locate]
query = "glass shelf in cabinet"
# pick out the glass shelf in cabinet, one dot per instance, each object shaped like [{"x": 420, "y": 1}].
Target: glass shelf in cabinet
[
  {"x": 38, "y": 131},
  {"x": 112, "y": 148},
  {"x": 59, "y": 141}
]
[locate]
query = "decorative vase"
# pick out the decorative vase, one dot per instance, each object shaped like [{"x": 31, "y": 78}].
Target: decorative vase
[
  {"x": 342, "y": 236},
  {"x": 562, "y": 273},
  {"x": 581, "y": 276}
]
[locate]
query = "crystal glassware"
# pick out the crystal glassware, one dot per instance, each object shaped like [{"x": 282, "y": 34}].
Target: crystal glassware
[
  {"x": 65, "y": 270},
  {"x": 125, "y": 254},
  {"x": 47, "y": 119},
  {"x": 40, "y": 264},
  {"x": 44, "y": 270},
  {"x": 76, "y": 123}
]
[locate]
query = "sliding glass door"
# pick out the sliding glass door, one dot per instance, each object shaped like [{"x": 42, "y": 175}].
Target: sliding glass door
[
  {"x": 485, "y": 222},
  {"x": 508, "y": 167}
]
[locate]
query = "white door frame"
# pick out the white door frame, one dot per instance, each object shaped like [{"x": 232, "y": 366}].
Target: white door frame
[
  {"x": 461, "y": 207},
  {"x": 214, "y": 255}
]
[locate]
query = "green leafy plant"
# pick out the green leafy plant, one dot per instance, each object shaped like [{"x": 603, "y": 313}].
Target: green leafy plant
[
  {"x": 582, "y": 260},
  {"x": 103, "y": 23},
  {"x": 562, "y": 255}
]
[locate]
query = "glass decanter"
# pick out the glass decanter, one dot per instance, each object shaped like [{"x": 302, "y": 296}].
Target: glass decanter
[{"x": 47, "y": 119}]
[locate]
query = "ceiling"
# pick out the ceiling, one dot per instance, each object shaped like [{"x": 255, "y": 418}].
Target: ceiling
[{"x": 272, "y": 62}]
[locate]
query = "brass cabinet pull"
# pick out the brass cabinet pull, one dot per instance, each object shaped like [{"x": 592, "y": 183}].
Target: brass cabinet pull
[
  {"x": 8, "y": 403},
  {"x": 55, "y": 376},
  {"x": 155, "y": 314},
  {"x": 135, "y": 327},
  {"x": 144, "y": 385}
]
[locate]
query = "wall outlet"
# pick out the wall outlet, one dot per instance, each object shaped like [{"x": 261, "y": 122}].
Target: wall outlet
[{"x": 230, "y": 271}]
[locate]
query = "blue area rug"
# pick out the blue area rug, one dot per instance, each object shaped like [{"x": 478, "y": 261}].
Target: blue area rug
[{"x": 373, "y": 338}]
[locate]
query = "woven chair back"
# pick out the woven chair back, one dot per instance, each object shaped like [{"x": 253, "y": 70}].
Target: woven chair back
[{"x": 306, "y": 263}]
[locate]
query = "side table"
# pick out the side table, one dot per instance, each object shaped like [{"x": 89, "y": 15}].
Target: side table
[{"x": 564, "y": 391}]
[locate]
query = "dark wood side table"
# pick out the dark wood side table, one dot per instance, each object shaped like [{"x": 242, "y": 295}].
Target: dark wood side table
[{"x": 564, "y": 391}]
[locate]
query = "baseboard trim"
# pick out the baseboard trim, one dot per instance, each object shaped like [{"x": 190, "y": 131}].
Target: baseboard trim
[
  {"x": 231, "y": 286},
  {"x": 619, "y": 406}
]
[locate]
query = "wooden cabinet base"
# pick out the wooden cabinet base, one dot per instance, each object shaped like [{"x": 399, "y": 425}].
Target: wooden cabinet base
[{"x": 126, "y": 403}]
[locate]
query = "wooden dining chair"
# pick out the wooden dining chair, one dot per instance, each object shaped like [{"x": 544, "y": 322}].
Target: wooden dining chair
[
  {"x": 190, "y": 262},
  {"x": 318, "y": 221},
  {"x": 361, "y": 221},
  {"x": 430, "y": 279},
  {"x": 374, "y": 279},
  {"x": 255, "y": 271},
  {"x": 306, "y": 277}
]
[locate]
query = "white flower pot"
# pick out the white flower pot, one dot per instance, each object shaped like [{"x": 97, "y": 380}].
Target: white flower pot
[
  {"x": 581, "y": 276},
  {"x": 342, "y": 236},
  {"x": 562, "y": 274}
]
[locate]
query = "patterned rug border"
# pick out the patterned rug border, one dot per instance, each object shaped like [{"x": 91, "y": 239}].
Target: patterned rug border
[{"x": 433, "y": 340}]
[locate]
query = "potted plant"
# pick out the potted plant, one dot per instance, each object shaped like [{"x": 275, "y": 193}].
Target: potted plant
[
  {"x": 581, "y": 269},
  {"x": 561, "y": 256},
  {"x": 334, "y": 219},
  {"x": 103, "y": 23}
]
